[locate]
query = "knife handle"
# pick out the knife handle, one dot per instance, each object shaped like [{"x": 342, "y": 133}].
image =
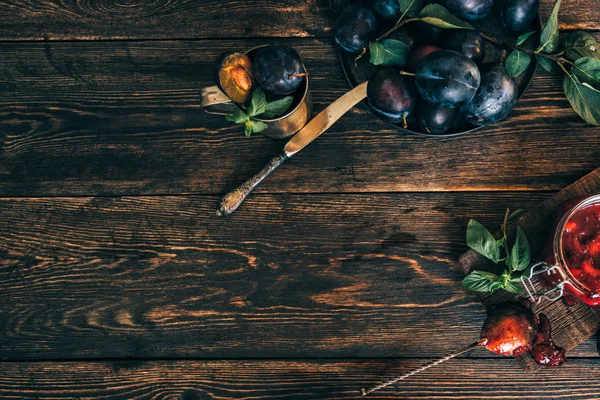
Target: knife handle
[{"x": 232, "y": 200}]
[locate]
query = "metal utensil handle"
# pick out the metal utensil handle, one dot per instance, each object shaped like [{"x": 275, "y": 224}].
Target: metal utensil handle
[
  {"x": 214, "y": 101},
  {"x": 365, "y": 392},
  {"x": 551, "y": 294},
  {"x": 232, "y": 200},
  {"x": 313, "y": 129}
]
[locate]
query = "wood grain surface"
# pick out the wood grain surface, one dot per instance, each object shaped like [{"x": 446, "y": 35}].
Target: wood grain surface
[
  {"x": 297, "y": 380},
  {"x": 165, "y": 277},
  {"x": 188, "y": 19},
  {"x": 118, "y": 281},
  {"x": 89, "y": 118}
]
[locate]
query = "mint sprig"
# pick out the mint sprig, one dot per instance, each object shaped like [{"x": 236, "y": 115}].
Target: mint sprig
[
  {"x": 517, "y": 258},
  {"x": 259, "y": 108}
]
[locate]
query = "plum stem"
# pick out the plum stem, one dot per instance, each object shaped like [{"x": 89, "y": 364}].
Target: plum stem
[
  {"x": 529, "y": 51},
  {"x": 296, "y": 75},
  {"x": 480, "y": 342},
  {"x": 406, "y": 73}
]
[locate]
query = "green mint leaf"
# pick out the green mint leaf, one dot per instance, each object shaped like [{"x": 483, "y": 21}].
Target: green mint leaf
[
  {"x": 389, "y": 52},
  {"x": 238, "y": 116},
  {"x": 520, "y": 254},
  {"x": 482, "y": 241},
  {"x": 523, "y": 38},
  {"x": 436, "y": 15},
  {"x": 549, "y": 65},
  {"x": 480, "y": 281},
  {"x": 511, "y": 287},
  {"x": 584, "y": 98},
  {"x": 549, "y": 36},
  {"x": 258, "y": 126},
  {"x": 248, "y": 128},
  {"x": 515, "y": 215},
  {"x": 517, "y": 63},
  {"x": 580, "y": 44},
  {"x": 258, "y": 105},
  {"x": 277, "y": 107},
  {"x": 410, "y": 8}
]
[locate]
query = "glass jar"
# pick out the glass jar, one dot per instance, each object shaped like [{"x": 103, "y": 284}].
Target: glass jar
[{"x": 571, "y": 267}]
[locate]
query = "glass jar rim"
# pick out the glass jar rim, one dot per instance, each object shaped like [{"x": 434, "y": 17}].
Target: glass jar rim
[{"x": 559, "y": 255}]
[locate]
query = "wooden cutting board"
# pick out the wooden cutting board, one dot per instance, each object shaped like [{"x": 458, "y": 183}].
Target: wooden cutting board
[{"x": 570, "y": 325}]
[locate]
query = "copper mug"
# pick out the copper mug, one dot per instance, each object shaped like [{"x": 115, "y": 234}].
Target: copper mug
[{"x": 214, "y": 101}]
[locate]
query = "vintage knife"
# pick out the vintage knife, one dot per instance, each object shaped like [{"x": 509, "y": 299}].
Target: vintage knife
[{"x": 312, "y": 130}]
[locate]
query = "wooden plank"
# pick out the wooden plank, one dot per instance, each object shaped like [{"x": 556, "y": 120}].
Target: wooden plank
[
  {"x": 203, "y": 380},
  {"x": 124, "y": 118},
  {"x": 286, "y": 276},
  {"x": 185, "y": 19}
]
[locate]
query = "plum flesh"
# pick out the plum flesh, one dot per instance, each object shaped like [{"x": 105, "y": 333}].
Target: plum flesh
[{"x": 510, "y": 329}]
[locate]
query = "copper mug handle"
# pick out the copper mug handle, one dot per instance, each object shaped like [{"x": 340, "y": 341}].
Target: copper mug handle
[{"x": 214, "y": 101}]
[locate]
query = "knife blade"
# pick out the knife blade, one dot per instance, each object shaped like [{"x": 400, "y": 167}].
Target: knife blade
[{"x": 312, "y": 130}]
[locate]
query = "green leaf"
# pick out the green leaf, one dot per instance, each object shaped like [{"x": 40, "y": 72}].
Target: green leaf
[
  {"x": 389, "y": 52},
  {"x": 248, "y": 128},
  {"x": 410, "y": 8},
  {"x": 515, "y": 215},
  {"x": 511, "y": 287},
  {"x": 480, "y": 281},
  {"x": 549, "y": 36},
  {"x": 436, "y": 15},
  {"x": 587, "y": 69},
  {"x": 258, "y": 105},
  {"x": 523, "y": 38},
  {"x": 238, "y": 116},
  {"x": 517, "y": 63},
  {"x": 580, "y": 44},
  {"x": 584, "y": 98},
  {"x": 277, "y": 108},
  {"x": 549, "y": 65},
  {"x": 520, "y": 254},
  {"x": 258, "y": 126},
  {"x": 482, "y": 241}
]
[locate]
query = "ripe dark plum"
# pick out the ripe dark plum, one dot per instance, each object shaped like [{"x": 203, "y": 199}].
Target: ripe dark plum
[
  {"x": 471, "y": 10},
  {"x": 434, "y": 119},
  {"x": 425, "y": 33},
  {"x": 355, "y": 28},
  {"x": 417, "y": 55},
  {"x": 467, "y": 42},
  {"x": 405, "y": 36},
  {"x": 510, "y": 329},
  {"x": 496, "y": 97},
  {"x": 447, "y": 78},
  {"x": 278, "y": 69},
  {"x": 518, "y": 15},
  {"x": 387, "y": 9},
  {"x": 391, "y": 95}
]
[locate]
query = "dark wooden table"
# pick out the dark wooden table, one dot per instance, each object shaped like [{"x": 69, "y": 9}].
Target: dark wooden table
[{"x": 117, "y": 279}]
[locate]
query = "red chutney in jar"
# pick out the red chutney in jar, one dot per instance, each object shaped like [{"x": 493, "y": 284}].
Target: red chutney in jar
[{"x": 581, "y": 247}]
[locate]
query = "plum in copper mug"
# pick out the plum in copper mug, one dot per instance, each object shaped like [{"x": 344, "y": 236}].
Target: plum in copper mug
[
  {"x": 571, "y": 266},
  {"x": 265, "y": 88}
]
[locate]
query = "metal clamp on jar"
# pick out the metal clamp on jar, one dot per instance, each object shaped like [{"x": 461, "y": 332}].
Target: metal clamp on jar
[{"x": 558, "y": 270}]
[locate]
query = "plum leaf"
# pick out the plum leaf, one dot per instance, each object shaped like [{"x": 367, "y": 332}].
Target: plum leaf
[
  {"x": 549, "y": 36},
  {"x": 549, "y": 65},
  {"x": 517, "y": 63},
  {"x": 389, "y": 52},
  {"x": 523, "y": 38},
  {"x": 410, "y": 8},
  {"x": 582, "y": 88},
  {"x": 580, "y": 44},
  {"x": 436, "y": 15}
]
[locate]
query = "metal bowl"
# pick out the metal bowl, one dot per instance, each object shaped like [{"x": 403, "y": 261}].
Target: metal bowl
[{"x": 359, "y": 72}]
